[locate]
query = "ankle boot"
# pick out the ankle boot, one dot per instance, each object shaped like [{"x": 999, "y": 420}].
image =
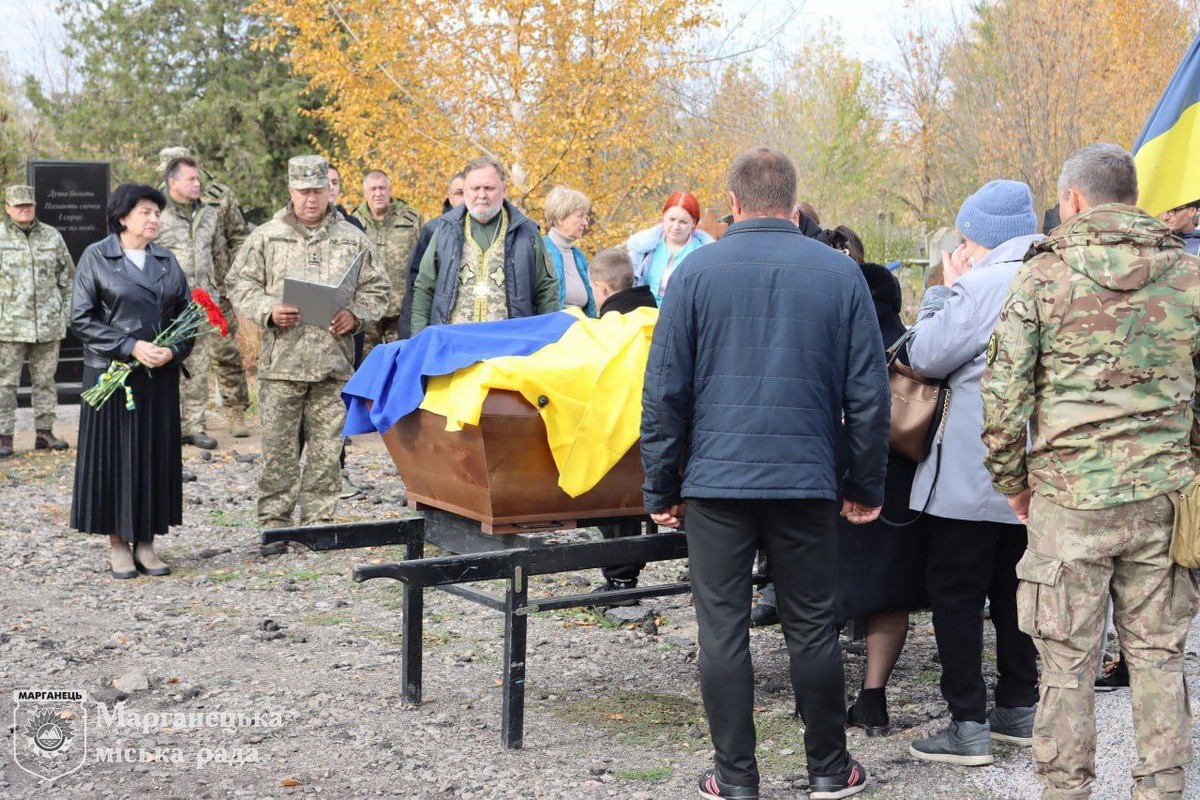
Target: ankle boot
[
  {"x": 869, "y": 712},
  {"x": 147, "y": 561},
  {"x": 120, "y": 558},
  {"x": 237, "y": 422},
  {"x": 46, "y": 440},
  {"x": 6, "y": 450}
]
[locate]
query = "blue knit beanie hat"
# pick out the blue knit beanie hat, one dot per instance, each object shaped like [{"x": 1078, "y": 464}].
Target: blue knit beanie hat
[{"x": 1000, "y": 211}]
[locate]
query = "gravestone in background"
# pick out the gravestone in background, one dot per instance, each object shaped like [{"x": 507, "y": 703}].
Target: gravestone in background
[{"x": 71, "y": 196}]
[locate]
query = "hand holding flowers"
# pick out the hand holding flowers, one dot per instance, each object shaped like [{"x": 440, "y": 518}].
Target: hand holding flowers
[{"x": 200, "y": 315}]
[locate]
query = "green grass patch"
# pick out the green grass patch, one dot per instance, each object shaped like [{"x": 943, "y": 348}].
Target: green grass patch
[
  {"x": 305, "y": 574},
  {"x": 209, "y": 610},
  {"x": 645, "y": 774},
  {"x": 928, "y": 676},
  {"x": 636, "y": 718},
  {"x": 432, "y": 638},
  {"x": 39, "y": 465},
  {"x": 228, "y": 519},
  {"x": 648, "y": 719},
  {"x": 328, "y": 619},
  {"x": 388, "y": 554},
  {"x": 580, "y": 617},
  {"x": 223, "y": 575}
]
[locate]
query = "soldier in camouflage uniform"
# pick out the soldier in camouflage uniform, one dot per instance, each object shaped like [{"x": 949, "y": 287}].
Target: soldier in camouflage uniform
[
  {"x": 1096, "y": 349},
  {"x": 486, "y": 260},
  {"x": 303, "y": 366},
  {"x": 393, "y": 227},
  {"x": 231, "y": 371},
  {"x": 36, "y": 271},
  {"x": 191, "y": 230}
]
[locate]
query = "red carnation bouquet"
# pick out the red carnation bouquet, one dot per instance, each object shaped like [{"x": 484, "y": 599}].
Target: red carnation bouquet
[{"x": 201, "y": 315}]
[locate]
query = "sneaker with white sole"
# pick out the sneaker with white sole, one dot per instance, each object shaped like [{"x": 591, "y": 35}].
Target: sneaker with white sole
[
  {"x": 832, "y": 787},
  {"x": 713, "y": 788},
  {"x": 968, "y": 744},
  {"x": 1012, "y": 725}
]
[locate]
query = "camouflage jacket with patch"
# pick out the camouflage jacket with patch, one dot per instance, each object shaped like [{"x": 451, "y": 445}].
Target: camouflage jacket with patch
[
  {"x": 1096, "y": 348},
  {"x": 234, "y": 227},
  {"x": 394, "y": 238},
  {"x": 196, "y": 241},
  {"x": 283, "y": 248},
  {"x": 36, "y": 272}
]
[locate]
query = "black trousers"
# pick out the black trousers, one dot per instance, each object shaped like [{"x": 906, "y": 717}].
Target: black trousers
[
  {"x": 799, "y": 537},
  {"x": 622, "y": 572},
  {"x": 968, "y": 562}
]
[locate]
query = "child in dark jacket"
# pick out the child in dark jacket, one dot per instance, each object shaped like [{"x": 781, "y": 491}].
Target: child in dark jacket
[{"x": 611, "y": 274}]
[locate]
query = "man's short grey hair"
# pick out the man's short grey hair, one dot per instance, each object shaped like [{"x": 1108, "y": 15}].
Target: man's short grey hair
[
  {"x": 174, "y": 168},
  {"x": 485, "y": 161},
  {"x": 373, "y": 172},
  {"x": 1102, "y": 173},
  {"x": 764, "y": 181}
]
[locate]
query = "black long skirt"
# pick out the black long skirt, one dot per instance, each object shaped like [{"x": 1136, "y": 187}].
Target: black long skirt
[
  {"x": 881, "y": 567},
  {"x": 129, "y": 468}
]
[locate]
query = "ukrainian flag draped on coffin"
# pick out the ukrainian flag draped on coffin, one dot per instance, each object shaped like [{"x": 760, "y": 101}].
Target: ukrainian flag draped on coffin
[
  {"x": 1167, "y": 153},
  {"x": 589, "y": 373}
]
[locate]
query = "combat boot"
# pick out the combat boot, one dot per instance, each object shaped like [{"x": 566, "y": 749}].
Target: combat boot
[
  {"x": 46, "y": 440},
  {"x": 6, "y": 450},
  {"x": 237, "y": 422}
]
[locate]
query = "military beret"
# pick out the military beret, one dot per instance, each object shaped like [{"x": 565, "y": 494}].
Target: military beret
[
  {"x": 308, "y": 172},
  {"x": 18, "y": 195}
]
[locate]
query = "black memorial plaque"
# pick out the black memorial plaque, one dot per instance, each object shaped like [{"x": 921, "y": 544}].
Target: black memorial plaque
[{"x": 72, "y": 196}]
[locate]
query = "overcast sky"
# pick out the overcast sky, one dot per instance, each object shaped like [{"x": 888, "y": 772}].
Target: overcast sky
[{"x": 867, "y": 26}]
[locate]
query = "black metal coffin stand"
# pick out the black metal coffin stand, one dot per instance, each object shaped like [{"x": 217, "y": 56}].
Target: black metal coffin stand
[{"x": 477, "y": 556}]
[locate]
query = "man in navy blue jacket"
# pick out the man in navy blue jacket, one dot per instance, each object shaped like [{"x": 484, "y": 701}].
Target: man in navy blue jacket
[{"x": 766, "y": 356}]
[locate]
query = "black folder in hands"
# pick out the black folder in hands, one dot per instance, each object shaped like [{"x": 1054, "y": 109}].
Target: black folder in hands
[{"x": 319, "y": 302}]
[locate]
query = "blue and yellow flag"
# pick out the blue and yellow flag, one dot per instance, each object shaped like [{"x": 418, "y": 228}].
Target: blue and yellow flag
[
  {"x": 587, "y": 387},
  {"x": 583, "y": 375},
  {"x": 1168, "y": 151}
]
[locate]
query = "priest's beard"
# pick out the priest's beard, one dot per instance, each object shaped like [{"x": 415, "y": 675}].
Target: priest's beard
[{"x": 484, "y": 215}]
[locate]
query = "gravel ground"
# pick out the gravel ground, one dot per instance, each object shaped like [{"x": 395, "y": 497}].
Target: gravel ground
[{"x": 612, "y": 710}]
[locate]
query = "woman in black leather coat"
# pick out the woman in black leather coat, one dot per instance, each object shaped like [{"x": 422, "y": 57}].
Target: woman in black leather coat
[{"x": 128, "y": 473}]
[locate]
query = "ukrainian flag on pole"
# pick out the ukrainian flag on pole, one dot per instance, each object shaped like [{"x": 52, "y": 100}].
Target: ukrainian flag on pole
[{"x": 1168, "y": 151}]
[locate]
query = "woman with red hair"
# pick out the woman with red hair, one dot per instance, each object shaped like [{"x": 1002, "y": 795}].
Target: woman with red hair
[{"x": 658, "y": 251}]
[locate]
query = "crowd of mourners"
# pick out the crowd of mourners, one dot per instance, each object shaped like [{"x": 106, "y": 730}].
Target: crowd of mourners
[{"x": 1067, "y": 356}]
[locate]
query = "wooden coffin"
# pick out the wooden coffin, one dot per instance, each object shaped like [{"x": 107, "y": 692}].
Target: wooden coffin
[{"x": 501, "y": 472}]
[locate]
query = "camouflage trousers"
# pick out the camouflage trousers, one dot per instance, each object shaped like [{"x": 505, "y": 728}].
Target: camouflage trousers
[
  {"x": 193, "y": 387},
  {"x": 285, "y": 405},
  {"x": 231, "y": 371},
  {"x": 43, "y": 361},
  {"x": 1076, "y": 558}
]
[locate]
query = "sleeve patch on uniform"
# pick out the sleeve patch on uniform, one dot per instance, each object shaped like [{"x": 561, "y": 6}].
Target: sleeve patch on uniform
[{"x": 992, "y": 348}]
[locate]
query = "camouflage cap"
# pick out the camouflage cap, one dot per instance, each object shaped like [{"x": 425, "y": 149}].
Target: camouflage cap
[
  {"x": 167, "y": 153},
  {"x": 308, "y": 172},
  {"x": 18, "y": 194}
]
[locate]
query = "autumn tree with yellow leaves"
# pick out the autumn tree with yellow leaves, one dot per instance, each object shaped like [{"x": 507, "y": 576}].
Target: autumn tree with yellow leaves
[
  {"x": 1022, "y": 84},
  {"x": 560, "y": 91}
]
